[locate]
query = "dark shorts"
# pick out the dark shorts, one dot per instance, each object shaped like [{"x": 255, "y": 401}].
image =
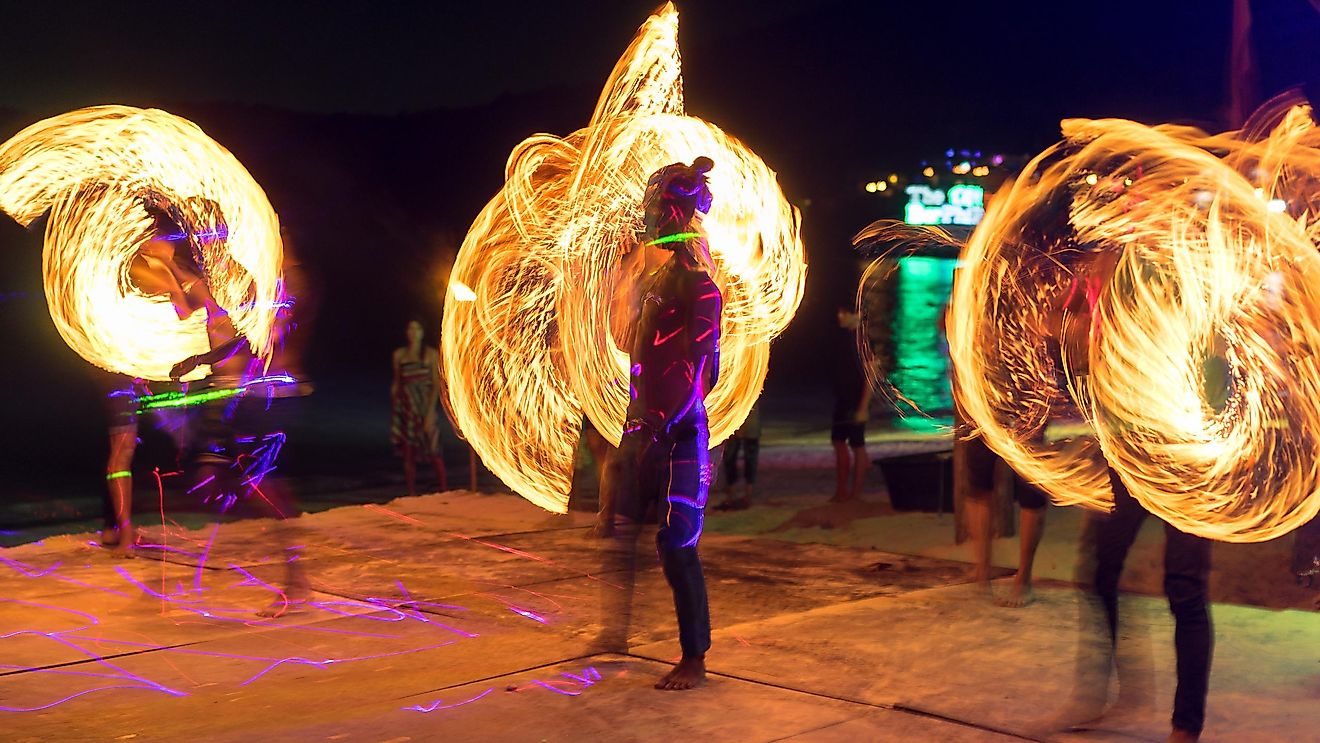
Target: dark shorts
[
  {"x": 124, "y": 406},
  {"x": 853, "y": 433},
  {"x": 121, "y": 409},
  {"x": 981, "y": 462}
]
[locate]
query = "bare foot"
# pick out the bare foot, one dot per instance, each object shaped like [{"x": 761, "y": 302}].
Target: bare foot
[
  {"x": 1080, "y": 714},
  {"x": 601, "y": 530},
  {"x": 1018, "y": 596},
  {"x": 981, "y": 584},
  {"x": 295, "y": 596},
  {"x": 981, "y": 574},
  {"x": 110, "y": 536},
  {"x": 1183, "y": 736},
  {"x": 688, "y": 674},
  {"x": 293, "y": 601},
  {"x": 125, "y": 539}
]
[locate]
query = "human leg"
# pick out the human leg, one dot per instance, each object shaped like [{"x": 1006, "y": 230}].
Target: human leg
[
  {"x": 981, "y": 486},
  {"x": 751, "y": 455},
  {"x": 1031, "y": 527},
  {"x": 735, "y": 494},
  {"x": 1114, "y": 536},
  {"x": 680, "y": 531},
  {"x": 839, "y": 440},
  {"x": 623, "y": 504},
  {"x": 118, "y": 532},
  {"x": 410, "y": 469},
  {"x": 860, "y": 462},
  {"x": 441, "y": 481},
  {"x": 730, "y": 462},
  {"x": 1186, "y": 576}
]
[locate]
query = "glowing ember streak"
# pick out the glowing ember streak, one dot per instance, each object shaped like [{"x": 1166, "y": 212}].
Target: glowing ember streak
[
  {"x": 433, "y": 706},
  {"x": 89, "y": 169},
  {"x": 531, "y": 343},
  {"x": 1192, "y": 352}
]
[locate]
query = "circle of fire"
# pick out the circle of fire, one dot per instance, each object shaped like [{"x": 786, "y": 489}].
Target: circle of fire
[
  {"x": 89, "y": 169},
  {"x": 532, "y": 326},
  {"x": 1195, "y": 365}
]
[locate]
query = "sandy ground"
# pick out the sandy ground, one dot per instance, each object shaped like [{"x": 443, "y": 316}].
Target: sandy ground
[
  {"x": 475, "y": 616},
  {"x": 465, "y": 616},
  {"x": 797, "y": 480}
]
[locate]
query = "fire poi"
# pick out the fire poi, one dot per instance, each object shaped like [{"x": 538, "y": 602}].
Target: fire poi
[
  {"x": 533, "y": 313},
  {"x": 92, "y": 169},
  {"x": 1166, "y": 284}
]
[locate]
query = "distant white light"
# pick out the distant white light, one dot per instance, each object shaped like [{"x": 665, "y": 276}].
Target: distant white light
[{"x": 1278, "y": 206}]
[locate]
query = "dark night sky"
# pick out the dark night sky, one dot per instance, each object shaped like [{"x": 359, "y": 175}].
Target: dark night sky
[
  {"x": 360, "y": 57},
  {"x": 870, "y": 77},
  {"x": 378, "y": 129},
  {"x": 819, "y": 84}
]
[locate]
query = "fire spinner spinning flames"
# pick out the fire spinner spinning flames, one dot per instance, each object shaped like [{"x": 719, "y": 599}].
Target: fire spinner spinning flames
[
  {"x": 530, "y": 341},
  {"x": 1165, "y": 284},
  {"x": 90, "y": 169}
]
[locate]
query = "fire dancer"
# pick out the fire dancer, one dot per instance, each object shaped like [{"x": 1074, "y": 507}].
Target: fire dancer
[
  {"x": 245, "y": 409},
  {"x": 852, "y": 408},
  {"x": 158, "y": 269},
  {"x": 663, "y": 458}
]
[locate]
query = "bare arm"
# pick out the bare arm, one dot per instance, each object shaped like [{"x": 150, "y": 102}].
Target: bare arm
[
  {"x": 433, "y": 363},
  {"x": 394, "y": 383}
]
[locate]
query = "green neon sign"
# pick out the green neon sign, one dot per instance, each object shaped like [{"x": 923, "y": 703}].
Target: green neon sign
[{"x": 960, "y": 205}]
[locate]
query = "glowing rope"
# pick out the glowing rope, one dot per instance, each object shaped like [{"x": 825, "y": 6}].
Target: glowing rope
[
  {"x": 536, "y": 328},
  {"x": 89, "y": 169}
]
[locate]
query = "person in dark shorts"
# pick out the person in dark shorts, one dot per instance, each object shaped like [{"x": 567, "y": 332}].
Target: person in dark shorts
[
  {"x": 247, "y": 409},
  {"x": 981, "y": 466},
  {"x": 747, "y": 442},
  {"x": 852, "y": 405},
  {"x": 162, "y": 266},
  {"x": 121, "y": 407}
]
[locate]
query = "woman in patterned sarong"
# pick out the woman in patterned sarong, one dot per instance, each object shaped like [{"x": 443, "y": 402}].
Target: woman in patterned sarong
[{"x": 414, "y": 394}]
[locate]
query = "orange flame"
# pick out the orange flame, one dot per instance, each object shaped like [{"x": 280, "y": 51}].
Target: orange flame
[
  {"x": 533, "y": 351},
  {"x": 89, "y": 168},
  {"x": 1196, "y": 367}
]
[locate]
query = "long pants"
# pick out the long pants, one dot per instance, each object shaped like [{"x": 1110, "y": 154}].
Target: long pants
[
  {"x": 673, "y": 472},
  {"x": 750, "y": 448},
  {"x": 1186, "y": 574}
]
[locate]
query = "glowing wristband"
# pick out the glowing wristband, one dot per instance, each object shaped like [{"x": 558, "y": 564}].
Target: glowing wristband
[
  {"x": 179, "y": 400},
  {"x": 119, "y": 474}
]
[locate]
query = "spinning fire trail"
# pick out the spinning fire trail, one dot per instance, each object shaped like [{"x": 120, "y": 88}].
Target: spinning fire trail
[
  {"x": 1166, "y": 283},
  {"x": 537, "y": 303},
  {"x": 90, "y": 169}
]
